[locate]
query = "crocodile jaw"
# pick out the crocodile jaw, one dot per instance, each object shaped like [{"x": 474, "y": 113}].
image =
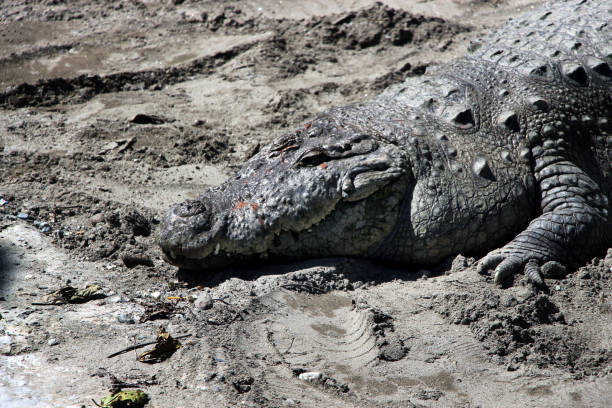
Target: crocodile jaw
[{"x": 312, "y": 200}]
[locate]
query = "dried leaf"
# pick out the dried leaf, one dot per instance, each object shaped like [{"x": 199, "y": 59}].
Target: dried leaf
[
  {"x": 125, "y": 399},
  {"x": 165, "y": 347},
  {"x": 69, "y": 294}
]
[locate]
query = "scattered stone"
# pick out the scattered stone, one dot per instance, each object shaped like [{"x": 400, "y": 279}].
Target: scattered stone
[
  {"x": 97, "y": 219},
  {"x": 125, "y": 318},
  {"x": 53, "y": 342},
  {"x": 204, "y": 301},
  {"x": 23, "y": 216},
  {"x": 132, "y": 260},
  {"x": 156, "y": 295},
  {"x": 312, "y": 376}
]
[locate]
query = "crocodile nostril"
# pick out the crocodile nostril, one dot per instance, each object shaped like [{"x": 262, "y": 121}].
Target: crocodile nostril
[{"x": 190, "y": 208}]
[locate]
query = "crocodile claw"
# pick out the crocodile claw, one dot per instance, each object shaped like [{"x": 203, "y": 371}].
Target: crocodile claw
[
  {"x": 534, "y": 274},
  {"x": 503, "y": 265},
  {"x": 506, "y": 266}
]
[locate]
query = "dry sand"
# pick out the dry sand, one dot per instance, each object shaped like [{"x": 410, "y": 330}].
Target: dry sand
[{"x": 84, "y": 182}]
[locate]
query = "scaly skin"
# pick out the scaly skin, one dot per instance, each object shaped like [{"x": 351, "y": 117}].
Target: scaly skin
[{"x": 509, "y": 146}]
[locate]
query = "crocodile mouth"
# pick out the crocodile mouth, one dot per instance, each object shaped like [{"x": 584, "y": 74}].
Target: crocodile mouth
[
  {"x": 342, "y": 228},
  {"x": 309, "y": 194},
  {"x": 222, "y": 254},
  {"x": 213, "y": 250}
]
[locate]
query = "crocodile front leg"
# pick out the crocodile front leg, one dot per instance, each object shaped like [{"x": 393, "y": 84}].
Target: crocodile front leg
[{"x": 574, "y": 216}]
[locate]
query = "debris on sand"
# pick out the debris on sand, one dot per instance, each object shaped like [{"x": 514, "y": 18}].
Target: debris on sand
[
  {"x": 133, "y": 260},
  {"x": 311, "y": 376},
  {"x": 69, "y": 294},
  {"x": 124, "y": 399},
  {"x": 164, "y": 348}
]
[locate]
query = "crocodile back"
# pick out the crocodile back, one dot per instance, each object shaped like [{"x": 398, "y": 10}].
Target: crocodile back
[
  {"x": 567, "y": 44},
  {"x": 471, "y": 128}
]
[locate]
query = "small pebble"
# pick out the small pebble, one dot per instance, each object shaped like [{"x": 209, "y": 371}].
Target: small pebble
[
  {"x": 312, "y": 376},
  {"x": 125, "y": 318},
  {"x": 23, "y": 216},
  {"x": 204, "y": 301},
  {"x": 132, "y": 260},
  {"x": 558, "y": 287},
  {"x": 156, "y": 295},
  {"x": 96, "y": 219},
  {"x": 53, "y": 342}
]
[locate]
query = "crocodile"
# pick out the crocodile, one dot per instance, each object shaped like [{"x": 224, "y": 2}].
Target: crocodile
[{"x": 504, "y": 153}]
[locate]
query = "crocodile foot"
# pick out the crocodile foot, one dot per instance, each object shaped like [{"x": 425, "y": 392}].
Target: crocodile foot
[{"x": 506, "y": 263}]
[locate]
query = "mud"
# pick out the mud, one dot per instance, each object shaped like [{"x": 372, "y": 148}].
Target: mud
[{"x": 112, "y": 111}]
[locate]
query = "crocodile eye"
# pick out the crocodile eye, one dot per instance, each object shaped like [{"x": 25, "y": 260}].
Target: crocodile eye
[
  {"x": 284, "y": 143},
  {"x": 312, "y": 157},
  {"x": 190, "y": 208}
]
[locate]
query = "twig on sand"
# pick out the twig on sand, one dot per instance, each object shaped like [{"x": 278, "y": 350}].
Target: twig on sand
[{"x": 137, "y": 346}]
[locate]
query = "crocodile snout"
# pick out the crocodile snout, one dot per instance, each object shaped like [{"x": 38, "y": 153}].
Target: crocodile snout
[
  {"x": 195, "y": 213},
  {"x": 185, "y": 227}
]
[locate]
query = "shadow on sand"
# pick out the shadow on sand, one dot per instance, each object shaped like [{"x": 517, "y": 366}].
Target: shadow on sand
[
  {"x": 6, "y": 267},
  {"x": 352, "y": 269}
]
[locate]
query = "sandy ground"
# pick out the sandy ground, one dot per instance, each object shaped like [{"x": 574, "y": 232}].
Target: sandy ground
[{"x": 111, "y": 111}]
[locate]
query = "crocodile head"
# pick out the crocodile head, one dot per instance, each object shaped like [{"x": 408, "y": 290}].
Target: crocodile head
[{"x": 315, "y": 192}]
